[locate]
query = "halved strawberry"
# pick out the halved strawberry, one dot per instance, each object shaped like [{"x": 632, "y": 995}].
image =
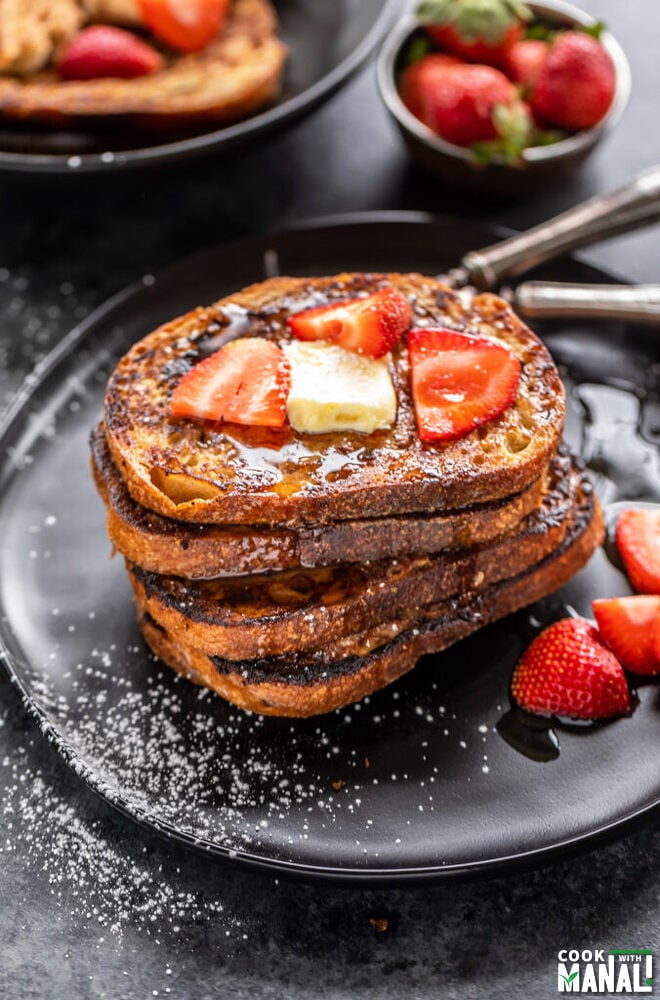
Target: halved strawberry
[
  {"x": 370, "y": 326},
  {"x": 186, "y": 25},
  {"x": 638, "y": 539},
  {"x": 627, "y": 625},
  {"x": 102, "y": 50},
  {"x": 568, "y": 671},
  {"x": 246, "y": 382},
  {"x": 459, "y": 381},
  {"x": 655, "y": 640}
]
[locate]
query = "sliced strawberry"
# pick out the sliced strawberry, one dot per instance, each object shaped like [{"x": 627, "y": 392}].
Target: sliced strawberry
[
  {"x": 525, "y": 59},
  {"x": 627, "y": 625},
  {"x": 186, "y": 25},
  {"x": 370, "y": 326},
  {"x": 638, "y": 539},
  {"x": 246, "y": 382},
  {"x": 655, "y": 640},
  {"x": 459, "y": 381},
  {"x": 418, "y": 82},
  {"x": 568, "y": 671},
  {"x": 101, "y": 51}
]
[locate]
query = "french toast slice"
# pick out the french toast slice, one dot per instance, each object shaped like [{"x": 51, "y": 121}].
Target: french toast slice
[
  {"x": 231, "y": 78},
  {"x": 314, "y": 682},
  {"x": 227, "y": 474},
  {"x": 199, "y": 551},
  {"x": 277, "y": 613}
]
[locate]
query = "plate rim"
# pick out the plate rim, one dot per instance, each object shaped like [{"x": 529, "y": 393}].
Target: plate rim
[
  {"x": 226, "y": 138},
  {"x": 245, "y": 859}
]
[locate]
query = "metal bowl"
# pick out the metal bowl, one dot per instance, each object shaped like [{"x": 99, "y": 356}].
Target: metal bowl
[{"x": 541, "y": 167}]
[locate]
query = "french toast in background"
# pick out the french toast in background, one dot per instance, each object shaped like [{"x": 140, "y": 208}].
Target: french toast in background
[
  {"x": 295, "y": 572},
  {"x": 231, "y": 77}
]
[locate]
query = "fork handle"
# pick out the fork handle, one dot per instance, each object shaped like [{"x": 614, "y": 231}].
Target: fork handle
[
  {"x": 630, "y": 303},
  {"x": 635, "y": 204}
]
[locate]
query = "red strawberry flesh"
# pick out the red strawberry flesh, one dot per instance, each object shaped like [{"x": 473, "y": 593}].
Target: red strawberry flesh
[
  {"x": 627, "y": 625},
  {"x": 104, "y": 51},
  {"x": 246, "y": 382},
  {"x": 370, "y": 326},
  {"x": 459, "y": 381},
  {"x": 638, "y": 540},
  {"x": 567, "y": 671}
]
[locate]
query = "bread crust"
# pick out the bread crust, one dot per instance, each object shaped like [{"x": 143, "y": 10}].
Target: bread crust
[
  {"x": 230, "y": 79},
  {"x": 448, "y": 624},
  {"x": 199, "y": 551},
  {"x": 288, "y": 612},
  {"x": 224, "y": 474}
]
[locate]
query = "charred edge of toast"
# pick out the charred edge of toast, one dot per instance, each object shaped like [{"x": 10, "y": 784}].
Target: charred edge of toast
[
  {"x": 286, "y": 613},
  {"x": 390, "y": 472},
  {"x": 305, "y": 687},
  {"x": 202, "y": 551}
]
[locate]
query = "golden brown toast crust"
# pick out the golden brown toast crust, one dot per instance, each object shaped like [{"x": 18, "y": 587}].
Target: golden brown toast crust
[
  {"x": 302, "y": 696},
  {"x": 230, "y": 79},
  {"x": 200, "y": 551},
  {"x": 243, "y": 619},
  {"x": 226, "y": 474}
]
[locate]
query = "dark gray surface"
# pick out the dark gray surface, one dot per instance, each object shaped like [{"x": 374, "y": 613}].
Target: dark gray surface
[{"x": 90, "y": 906}]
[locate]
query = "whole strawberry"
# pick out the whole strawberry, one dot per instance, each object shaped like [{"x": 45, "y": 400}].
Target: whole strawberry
[
  {"x": 479, "y": 30},
  {"x": 104, "y": 51},
  {"x": 418, "y": 82},
  {"x": 469, "y": 104},
  {"x": 576, "y": 85},
  {"x": 568, "y": 671},
  {"x": 525, "y": 60}
]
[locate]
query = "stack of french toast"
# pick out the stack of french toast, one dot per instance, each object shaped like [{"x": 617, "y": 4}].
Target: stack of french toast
[{"x": 315, "y": 482}]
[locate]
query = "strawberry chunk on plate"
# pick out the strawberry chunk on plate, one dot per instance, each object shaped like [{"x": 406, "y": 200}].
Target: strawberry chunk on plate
[
  {"x": 567, "y": 671},
  {"x": 186, "y": 25},
  {"x": 628, "y": 626},
  {"x": 638, "y": 541},
  {"x": 104, "y": 51},
  {"x": 246, "y": 382},
  {"x": 459, "y": 381},
  {"x": 370, "y": 326}
]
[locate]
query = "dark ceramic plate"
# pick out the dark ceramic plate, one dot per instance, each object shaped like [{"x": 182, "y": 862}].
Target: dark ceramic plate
[
  {"x": 415, "y": 782},
  {"x": 328, "y": 40}
]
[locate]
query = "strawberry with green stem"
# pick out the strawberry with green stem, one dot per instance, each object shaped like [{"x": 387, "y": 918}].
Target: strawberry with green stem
[{"x": 481, "y": 31}]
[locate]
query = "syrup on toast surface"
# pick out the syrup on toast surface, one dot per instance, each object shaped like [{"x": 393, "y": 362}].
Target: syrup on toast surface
[
  {"x": 199, "y": 551},
  {"x": 209, "y": 473}
]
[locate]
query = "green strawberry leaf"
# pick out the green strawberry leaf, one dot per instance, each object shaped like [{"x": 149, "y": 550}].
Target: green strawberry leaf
[
  {"x": 595, "y": 30},
  {"x": 419, "y": 47}
]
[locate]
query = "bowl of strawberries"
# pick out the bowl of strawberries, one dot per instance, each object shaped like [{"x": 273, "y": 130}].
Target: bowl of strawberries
[{"x": 502, "y": 97}]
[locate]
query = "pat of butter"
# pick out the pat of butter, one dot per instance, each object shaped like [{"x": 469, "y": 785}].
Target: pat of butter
[{"x": 337, "y": 390}]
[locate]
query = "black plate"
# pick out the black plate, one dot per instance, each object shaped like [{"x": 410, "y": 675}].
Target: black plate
[
  {"x": 328, "y": 40},
  {"x": 414, "y": 782}
]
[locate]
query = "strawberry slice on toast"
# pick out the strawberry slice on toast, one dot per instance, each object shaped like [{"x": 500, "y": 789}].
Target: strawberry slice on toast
[
  {"x": 246, "y": 382},
  {"x": 370, "y": 326},
  {"x": 459, "y": 381}
]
